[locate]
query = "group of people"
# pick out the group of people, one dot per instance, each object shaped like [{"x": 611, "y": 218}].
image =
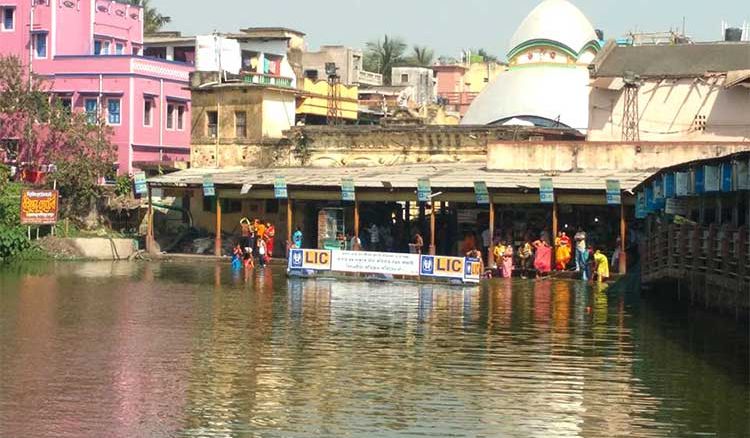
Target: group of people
[
  {"x": 535, "y": 256},
  {"x": 256, "y": 243}
]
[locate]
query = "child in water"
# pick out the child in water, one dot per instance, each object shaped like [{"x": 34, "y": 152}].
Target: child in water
[{"x": 237, "y": 257}]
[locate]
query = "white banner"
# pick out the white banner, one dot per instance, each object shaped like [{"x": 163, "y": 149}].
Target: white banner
[{"x": 375, "y": 262}]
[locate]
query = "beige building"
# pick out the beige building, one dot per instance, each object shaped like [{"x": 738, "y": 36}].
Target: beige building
[
  {"x": 686, "y": 92},
  {"x": 348, "y": 61},
  {"x": 238, "y": 121}
]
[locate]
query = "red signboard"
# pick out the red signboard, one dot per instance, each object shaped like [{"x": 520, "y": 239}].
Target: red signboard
[{"x": 39, "y": 207}]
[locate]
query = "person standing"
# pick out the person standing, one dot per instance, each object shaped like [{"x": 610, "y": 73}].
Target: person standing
[
  {"x": 524, "y": 254},
  {"x": 262, "y": 249},
  {"x": 374, "y": 238},
  {"x": 542, "y": 258},
  {"x": 270, "y": 238},
  {"x": 418, "y": 244},
  {"x": 562, "y": 251},
  {"x": 582, "y": 258},
  {"x": 355, "y": 244},
  {"x": 601, "y": 266},
  {"x": 297, "y": 238},
  {"x": 507, "y": 261}
]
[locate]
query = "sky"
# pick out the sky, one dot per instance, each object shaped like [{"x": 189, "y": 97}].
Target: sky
[{"x": 446, "y": 26}]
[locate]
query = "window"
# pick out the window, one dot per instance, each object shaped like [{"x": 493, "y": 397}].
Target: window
[
  {"x": 9, "y": 19},
  {"x": 136, "y": 51},
  {"x": 91, "y": 107},
  {"x": 180, "y": 117},
  {"x": 40, "y": 44},
  {"x": 240, "y": 124},
  {"x": 119, "y": 48},
  {"x": 404, "y": 78},
  {"x": 113, "y": 111},
  {"x": 97, "y": 47},
  {"x": 148, "y": 106},
  {"x": 170, "y": 116},
  {"x": 66, "y": 104},
  {"x": 105, "y": 48},
  {"x": 212, "y": 124},
  {"x": 228, "y": 206}
]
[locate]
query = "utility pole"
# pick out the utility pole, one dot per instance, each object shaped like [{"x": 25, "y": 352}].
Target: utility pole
[{"x": 334, "y": 95}]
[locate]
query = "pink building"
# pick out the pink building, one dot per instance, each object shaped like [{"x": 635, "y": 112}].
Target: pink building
[{"x": 90, "y": 51}]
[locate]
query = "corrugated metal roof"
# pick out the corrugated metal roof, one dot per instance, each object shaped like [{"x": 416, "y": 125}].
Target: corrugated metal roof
[
  {"x": 442, "y": 176},
  {"x": 682, "y": 60}
]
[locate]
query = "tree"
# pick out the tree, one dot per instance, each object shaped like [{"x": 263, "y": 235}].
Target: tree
[
  {"x": 44, "y": 132},
  {"x": 485, "y": 55},
  {"x": 382, "y": 55},
  {"x": 153, "y": 21},
  {"x": 422, "y": 56}
]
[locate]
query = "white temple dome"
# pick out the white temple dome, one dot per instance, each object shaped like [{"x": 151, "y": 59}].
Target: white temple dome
[
  {"x": 554, "y": 20},
  {"x": 547, "y": 82}
]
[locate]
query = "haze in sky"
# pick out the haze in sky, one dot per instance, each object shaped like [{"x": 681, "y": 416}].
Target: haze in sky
[{"x": 447, "y": 26}]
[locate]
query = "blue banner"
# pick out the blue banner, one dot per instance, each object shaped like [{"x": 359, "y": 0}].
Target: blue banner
[
  {"x": 424, "y": 190},
  {"x": 279, "y": 188},
  {"x": 670, "y": 190},
  {"x": 140, "y": 183},
  {"x": 546, "y": 191},
  {"x": 649, "y": 195},
  {"x": 700, "y": 181},
  {"x": 209, "y": 189},
  {"x": 482, "y": 193},
  {"x": 348, "y": 192},
  {"x": 726, "y": 177},
  {"x": 640, "y": 206}
]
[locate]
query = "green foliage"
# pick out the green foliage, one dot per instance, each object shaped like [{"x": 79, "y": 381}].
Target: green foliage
[
  {"x": 13, "y": 241},
  {"x": 153, "y": 20},
  {"x": 422, "y": 56},
  {"x": 123, "y": 186},
  {"x": 382, "y": 55}
]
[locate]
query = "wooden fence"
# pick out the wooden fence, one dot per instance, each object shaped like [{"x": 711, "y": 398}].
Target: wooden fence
[{"x": 711, "y": 264}]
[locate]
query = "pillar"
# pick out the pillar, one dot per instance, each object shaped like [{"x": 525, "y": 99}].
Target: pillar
[
  {"x": 149, "y": 225},
  {"x": 491, "y": 255},
  {"x": 289, "y": 221},
  {"x": 553, "y": 238},
  {"x": 432, "y": 229},
  {"x": 623, "y": 265},
  {"x": 217, "y": 240},
  {"x": 356, "y": 218}
]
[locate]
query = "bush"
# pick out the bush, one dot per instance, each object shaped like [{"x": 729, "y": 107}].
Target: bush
[
  {"x": 13, "y": 242},
  {"x": 13, "y": 239}
]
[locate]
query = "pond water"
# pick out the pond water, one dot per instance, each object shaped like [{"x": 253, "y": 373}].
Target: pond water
[{"x": 169, "y": 349}]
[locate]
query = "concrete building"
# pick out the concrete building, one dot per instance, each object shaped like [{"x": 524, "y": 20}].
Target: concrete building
[
  {"x": 269, "y": 55},
  {"x": 239, "y": 121},
  {"x": 420, "y": 79},
  {"x": 90, "y": 53},
  {"x": 348, "y": 62},
  {"x": 686, "y": 92},
  {"x": 547, "y": 82},
  {"x": 459, "y": 83}
]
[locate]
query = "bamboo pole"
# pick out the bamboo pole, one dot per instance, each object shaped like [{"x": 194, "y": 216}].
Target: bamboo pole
[
  {"x": 432, "y": 229},
  {"x": 149, "y": 225},
  {"x": 491, "y": 255},
  {"x": 623, "y": 266},
  {"x": 217, "y": 241}
]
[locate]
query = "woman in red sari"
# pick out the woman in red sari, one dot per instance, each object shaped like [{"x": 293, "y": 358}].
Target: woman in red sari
[
  {"x": 270, "y": 238},
  {"x": 542, "y": 258}
]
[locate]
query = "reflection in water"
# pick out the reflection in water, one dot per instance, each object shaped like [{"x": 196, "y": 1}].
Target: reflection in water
[{"x": 175, "y": 349}]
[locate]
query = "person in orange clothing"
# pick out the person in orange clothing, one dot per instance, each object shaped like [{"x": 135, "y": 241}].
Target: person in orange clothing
[
  {"x": 261, "y": 229},
  {"x": 270, "y": 233}
]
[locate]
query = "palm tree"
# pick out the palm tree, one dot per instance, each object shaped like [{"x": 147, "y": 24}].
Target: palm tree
[
  {"x": 153, "y": 21},
  {"x": 423, "y": 56},
  {"x": 382, "y": 55}
]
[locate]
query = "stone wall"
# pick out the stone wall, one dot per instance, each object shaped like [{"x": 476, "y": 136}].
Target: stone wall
[{"x": 572, "y": 156}]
